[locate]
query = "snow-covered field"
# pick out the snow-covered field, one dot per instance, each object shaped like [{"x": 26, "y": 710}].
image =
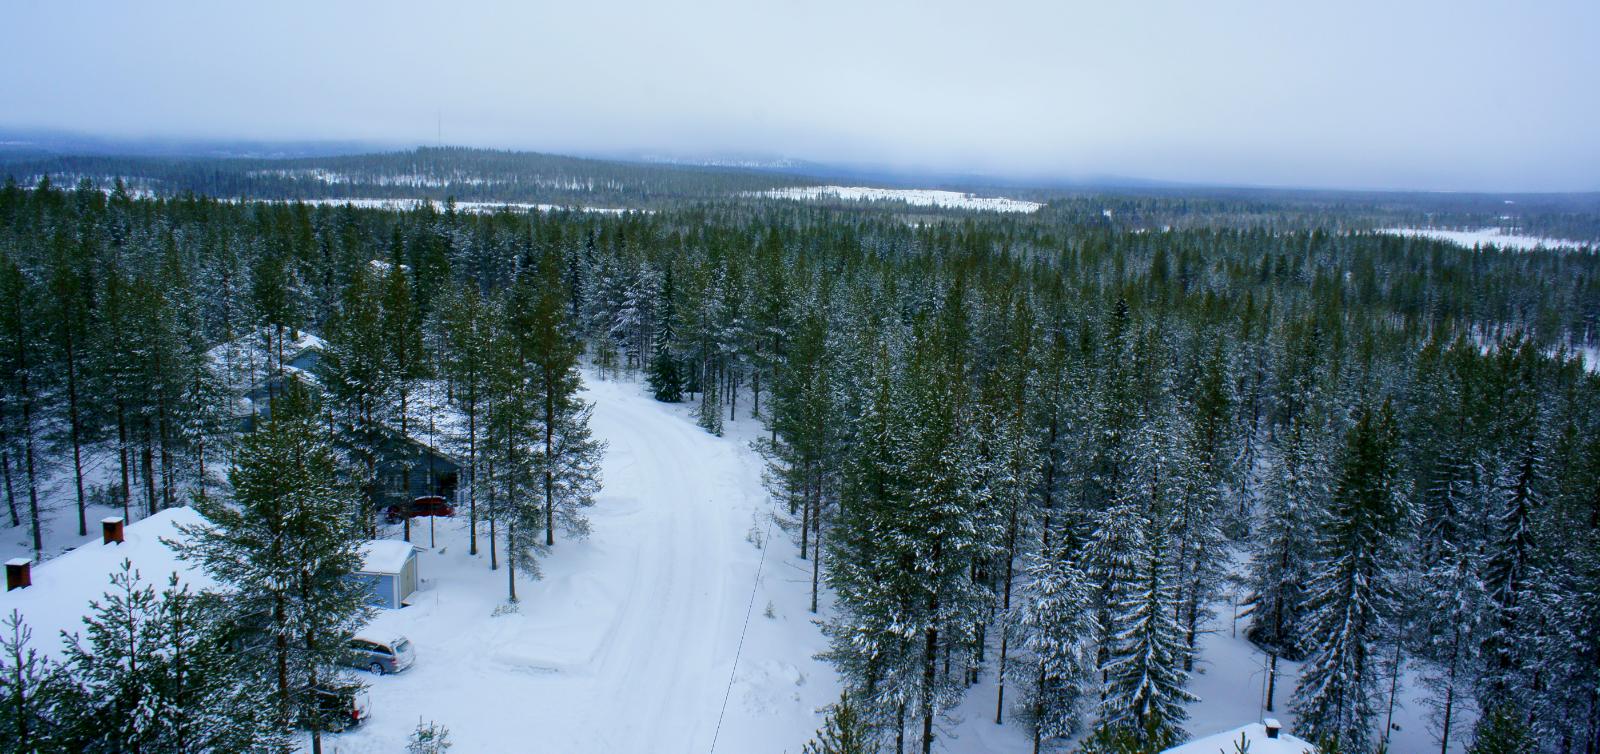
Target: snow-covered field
[
  {"x": 1489, "y": 236},
  {"x": 914, "y": 197},
  {"x": 628, "y": 642}
]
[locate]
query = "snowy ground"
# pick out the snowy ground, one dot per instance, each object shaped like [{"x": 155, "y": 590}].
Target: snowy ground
[
  {"x": 1489, "y": 236},
  {"x": 627, "y": 643},
  {"x": 915, "y": 197}
]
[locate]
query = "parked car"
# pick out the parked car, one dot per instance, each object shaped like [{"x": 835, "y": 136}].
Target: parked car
[
  {"x": 339, "y": 706},
  {"x": 380, "y": 656},
  {"x": 432, "y": 505}
]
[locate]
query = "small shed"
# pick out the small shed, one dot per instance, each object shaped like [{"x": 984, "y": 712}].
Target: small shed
[{"x": 390, "y": 566}]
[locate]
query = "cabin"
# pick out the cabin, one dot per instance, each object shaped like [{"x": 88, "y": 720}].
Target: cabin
[
  {"x": 408, "y": 469},
  {"x": 1265, "y": 737},
  {"x": 54, "y": 596},
  {"x": 389, "y": 567},
  {"x": 411, "y": 469}
]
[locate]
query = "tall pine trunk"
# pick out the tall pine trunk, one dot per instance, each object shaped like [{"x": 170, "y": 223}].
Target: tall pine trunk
[
  {"x": 74, "y": 429},
  {"x": 472, "y": 472},
  {"x": 5, "y": 468},
  {"x": 549, "y": 462},
  {"x": 122, "y": 459}
]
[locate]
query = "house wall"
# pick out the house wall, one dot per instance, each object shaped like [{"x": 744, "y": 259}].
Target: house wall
[
  {"x": 383, "y": 587},
  {"x": 406, "y": 582}
]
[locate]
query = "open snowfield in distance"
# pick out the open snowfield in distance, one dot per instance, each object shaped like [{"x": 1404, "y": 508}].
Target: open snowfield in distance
[{"x": 915, "y": 197}]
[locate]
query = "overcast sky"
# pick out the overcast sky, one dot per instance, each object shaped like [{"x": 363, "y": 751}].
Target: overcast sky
[{"x": 1395, "y": 94}]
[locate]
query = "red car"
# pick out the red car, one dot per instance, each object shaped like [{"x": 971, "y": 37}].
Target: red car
[{"x": 422, "y": 506}]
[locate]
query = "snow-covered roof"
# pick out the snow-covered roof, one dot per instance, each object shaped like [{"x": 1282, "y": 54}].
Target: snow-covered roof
[
  {"x": 385, "y": 555},
  {"x": 63, "y": 587},
  {"x": 1254, "y": 733},
  {"x": 297, "y": 342}
]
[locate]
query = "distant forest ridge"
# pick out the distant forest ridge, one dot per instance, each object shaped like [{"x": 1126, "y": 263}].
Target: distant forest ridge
[{"x": 530, "y": 178}]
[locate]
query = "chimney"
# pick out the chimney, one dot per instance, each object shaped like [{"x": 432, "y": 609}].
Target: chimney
[
  {"x": 111, "y": 530},
  {"x": 18, "y": 573},
  {"x": 1273, "y": 726}
]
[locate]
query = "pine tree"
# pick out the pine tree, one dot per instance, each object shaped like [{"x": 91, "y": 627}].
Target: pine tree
[
  {"x": 118, "y": 673},
  {"x": 30, "y": 689},
  {"x": 844, "y": 731},
  {"x": 156, "y": 675},
  {"x": 1351, "y": 591},
  {"x": 429, "y": 738},
  {"x": 68, "y": 329},
  {"x": 359, "y": 376},
  {"x": 568, "y": 457},
  {"x": 802, "y": 454},
  {"x": 408, "y": 362},
  {"x": 710, "y": 411},
  {"x": 512, "y": 436},
  {"x": 466, "y": 338},
  {"x": 19, "y": 384},
  {"x": 285, "y": 546}
]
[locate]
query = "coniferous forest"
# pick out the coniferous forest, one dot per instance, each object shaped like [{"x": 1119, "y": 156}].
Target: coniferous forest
[{"x": 1035, "y": 449}]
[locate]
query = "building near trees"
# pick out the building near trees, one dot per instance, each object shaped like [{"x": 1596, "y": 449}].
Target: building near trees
[
  {"x": 62, "y": 588},
  {"x": 390, "y": 567}
]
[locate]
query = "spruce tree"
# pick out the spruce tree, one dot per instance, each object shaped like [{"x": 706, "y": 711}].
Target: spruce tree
[
  {"x": 1351, "y": 591},
  {"x": 409, "y": 364},
  {"x": 666, "y": 383},
  {"x": 1144, "y": 667},
  {"x": 1501, "y": 731},
  {"x": 1056, "y": 634}
]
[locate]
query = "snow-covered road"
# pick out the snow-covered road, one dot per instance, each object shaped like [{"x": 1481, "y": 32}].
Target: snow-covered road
[{"x": 626, "y": 643}]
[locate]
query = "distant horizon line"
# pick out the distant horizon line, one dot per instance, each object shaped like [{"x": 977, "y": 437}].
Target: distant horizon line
[{"x": 50, "y": 142}]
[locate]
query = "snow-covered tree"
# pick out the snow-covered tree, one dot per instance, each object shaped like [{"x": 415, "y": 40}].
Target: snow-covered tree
[
  {"x": 153, "y": 673},
  {"x": 1056, "y": 633},
  {"x": 665, "y": 375},
  {"x": 285, "y": 546},
  {"x": 1144, "y": 666},
  {"x": 30, "y": 689},
  {"x": 1351, "y": 592},
  {"x": 844, "y": 731}
]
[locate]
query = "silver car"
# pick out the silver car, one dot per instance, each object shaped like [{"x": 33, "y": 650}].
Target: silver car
[{"x": 380, "y": 656}]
